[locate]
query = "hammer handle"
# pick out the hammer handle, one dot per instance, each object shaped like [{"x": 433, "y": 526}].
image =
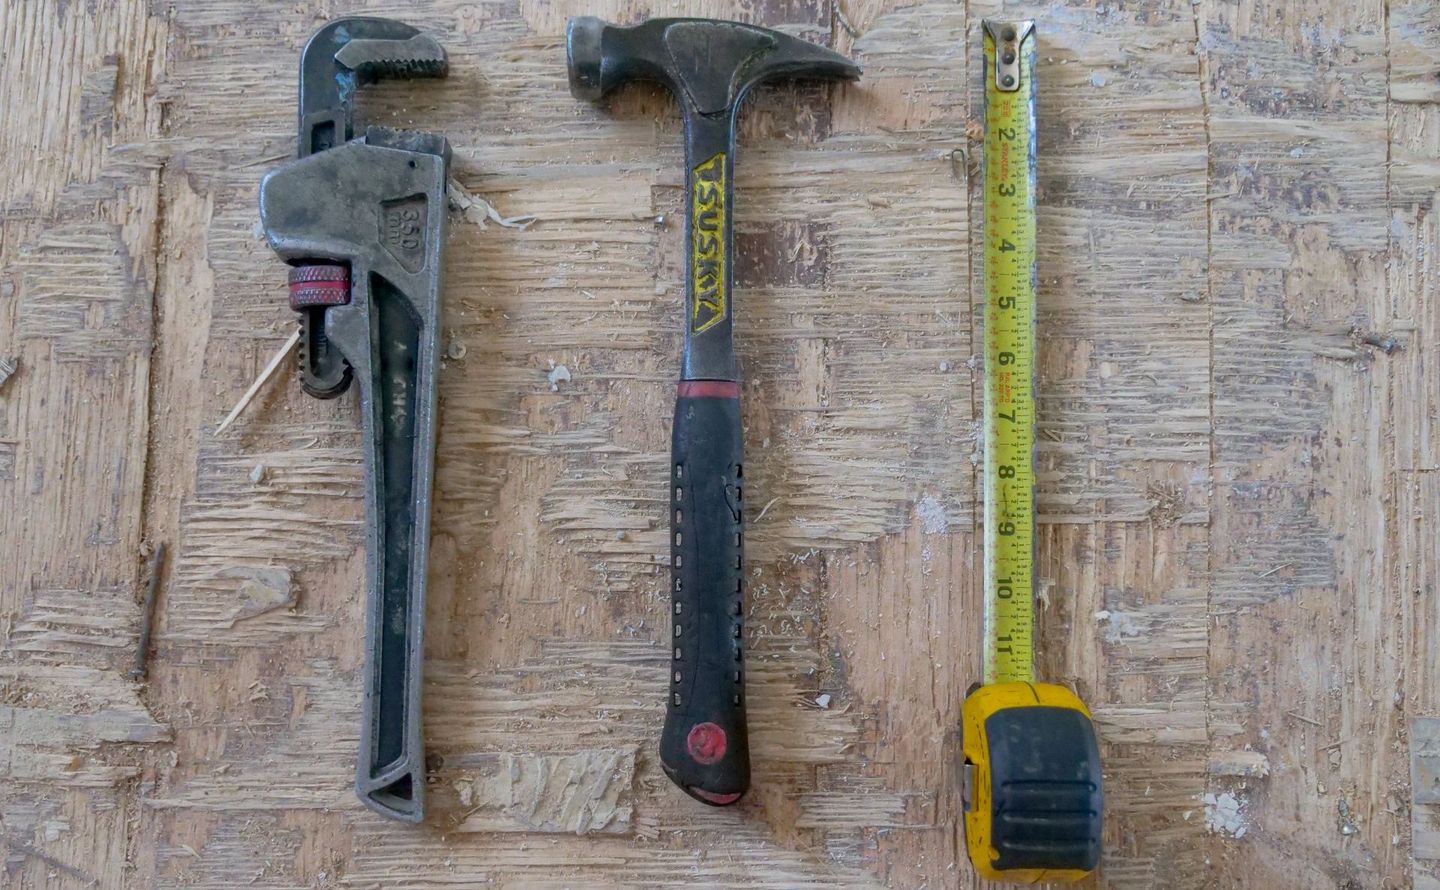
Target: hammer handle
[{"x": 704, "y": 748}]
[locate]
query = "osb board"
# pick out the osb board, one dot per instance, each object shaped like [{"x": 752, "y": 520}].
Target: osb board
[{"x": 1239, "y": 447}]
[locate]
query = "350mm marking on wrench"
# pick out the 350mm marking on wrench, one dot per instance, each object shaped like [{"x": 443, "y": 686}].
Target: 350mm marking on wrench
[{"x": 1009, "y": 276}]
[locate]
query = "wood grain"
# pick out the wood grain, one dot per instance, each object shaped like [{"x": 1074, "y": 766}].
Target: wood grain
[{"x": 1239, "y": 448}]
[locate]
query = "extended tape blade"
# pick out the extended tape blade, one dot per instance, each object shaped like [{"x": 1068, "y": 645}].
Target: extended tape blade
[{"x": 1009, "y": 319}]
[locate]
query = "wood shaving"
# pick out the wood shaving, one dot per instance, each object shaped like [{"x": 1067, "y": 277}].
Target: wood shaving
[{"x": 478, "y": 210}]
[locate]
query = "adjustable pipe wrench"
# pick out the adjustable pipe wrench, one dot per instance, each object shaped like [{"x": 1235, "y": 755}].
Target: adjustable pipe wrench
[{"x": 361, "y": 221}]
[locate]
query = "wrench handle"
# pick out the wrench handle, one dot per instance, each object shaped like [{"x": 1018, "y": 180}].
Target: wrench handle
[
  {"x": 704, "y": 747},
  {"x": 398, "y": 401},
  {"x": 373, "y": 211}
]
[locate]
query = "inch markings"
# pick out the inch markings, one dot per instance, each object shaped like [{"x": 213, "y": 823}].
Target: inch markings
[{"x": 1009, "y": 320}]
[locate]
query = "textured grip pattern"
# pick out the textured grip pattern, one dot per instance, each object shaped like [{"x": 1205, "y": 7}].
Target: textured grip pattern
[
  {"x": 704, "y": 748},
  {"x": 319, "y": 285}
]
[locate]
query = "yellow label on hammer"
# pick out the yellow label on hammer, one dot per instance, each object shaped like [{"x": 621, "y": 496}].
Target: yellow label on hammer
[
  {"x": 1009, "y": 480},
  {"x": 709, "y": 301}
]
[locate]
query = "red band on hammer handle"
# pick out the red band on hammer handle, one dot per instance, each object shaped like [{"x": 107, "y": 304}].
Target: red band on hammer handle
[
  {"x": 708, "y": 389},
  {"x": 319, "y": 285}
]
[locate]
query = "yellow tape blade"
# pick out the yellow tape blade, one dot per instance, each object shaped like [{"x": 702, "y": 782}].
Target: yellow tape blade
[{"x": 1009, "y": 317}]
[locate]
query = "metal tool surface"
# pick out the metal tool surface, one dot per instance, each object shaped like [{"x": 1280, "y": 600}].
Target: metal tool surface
[
  {"x": 709, "y": 66},
  {"x": 361, "y": 221},
  {"x": 1032, "y": 781}
]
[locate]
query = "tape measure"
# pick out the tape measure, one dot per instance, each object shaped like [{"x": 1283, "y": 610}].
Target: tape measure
[{"x": 1032, "y": 794}]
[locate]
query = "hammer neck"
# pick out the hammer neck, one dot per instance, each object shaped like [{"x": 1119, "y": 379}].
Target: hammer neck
[{"x": 709, "y": 238}]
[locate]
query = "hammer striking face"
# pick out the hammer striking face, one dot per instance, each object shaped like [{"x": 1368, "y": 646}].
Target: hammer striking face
[{"x": 709, "y": 66}]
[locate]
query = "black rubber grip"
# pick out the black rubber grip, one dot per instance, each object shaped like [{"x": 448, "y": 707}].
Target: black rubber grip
[
  {"x": 1047, "y": 801},
  {"x": 704, "y": 748}
]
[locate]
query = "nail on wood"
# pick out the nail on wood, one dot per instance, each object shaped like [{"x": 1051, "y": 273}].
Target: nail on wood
[{"x": 141, "y": 669}]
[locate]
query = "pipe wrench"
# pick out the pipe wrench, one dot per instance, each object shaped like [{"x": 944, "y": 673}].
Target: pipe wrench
[{"x": 361, "y": 222}]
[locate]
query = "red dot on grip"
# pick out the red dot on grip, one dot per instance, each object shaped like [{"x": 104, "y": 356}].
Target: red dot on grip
[{"x": 706, "y": 743}]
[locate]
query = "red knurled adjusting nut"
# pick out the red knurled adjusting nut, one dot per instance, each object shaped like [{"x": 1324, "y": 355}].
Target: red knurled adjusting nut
[
  {"x": 319, "y": 286},
  {"x": 706, "y": 743}
]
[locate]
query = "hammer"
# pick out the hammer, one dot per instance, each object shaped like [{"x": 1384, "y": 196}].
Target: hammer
[{"x": 709, "y": 65}]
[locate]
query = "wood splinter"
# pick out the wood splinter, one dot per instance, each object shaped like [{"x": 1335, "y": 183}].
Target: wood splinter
[{"x": 270, "y": 369}]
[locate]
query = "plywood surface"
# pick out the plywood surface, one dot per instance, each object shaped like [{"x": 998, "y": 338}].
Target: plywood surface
[{"x": 1239, "y": 447}]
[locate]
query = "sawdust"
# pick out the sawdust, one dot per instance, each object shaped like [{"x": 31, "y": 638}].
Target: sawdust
[
  {"x": 1242, "y": 764},
  {"x": 16, "y": 693},
  {"x": 1224, "y": 814},
  {"x": 1168, "y": 505},
  {"x": 1120, "y": 625},
  {"x": 558, "y": 374},
  {"x": 932, "y": 515}
]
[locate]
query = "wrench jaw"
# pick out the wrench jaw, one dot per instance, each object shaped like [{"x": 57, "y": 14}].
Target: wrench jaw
[
  {"x": 338, "y": 59},
  {"x": 363, "y": 223},
  {"x": 346, "y": 54}
]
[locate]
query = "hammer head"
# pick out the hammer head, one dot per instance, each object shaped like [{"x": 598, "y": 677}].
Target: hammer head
[{"x": 708, "y": 64}]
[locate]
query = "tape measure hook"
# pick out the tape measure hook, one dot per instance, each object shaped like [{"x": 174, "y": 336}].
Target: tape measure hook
[{"x": 1008, "y": 37}]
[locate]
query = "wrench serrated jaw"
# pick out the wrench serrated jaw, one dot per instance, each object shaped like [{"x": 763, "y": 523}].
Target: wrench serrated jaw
[{"x": 372, "y": 59}]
